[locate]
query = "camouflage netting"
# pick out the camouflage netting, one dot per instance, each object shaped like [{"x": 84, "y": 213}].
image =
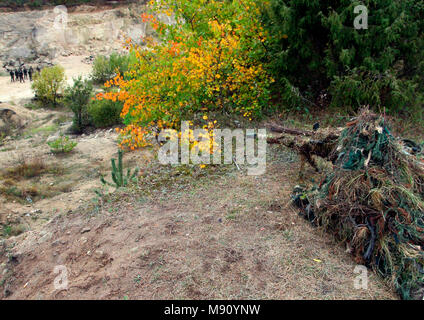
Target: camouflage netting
[{"x": 373, "y": 201}]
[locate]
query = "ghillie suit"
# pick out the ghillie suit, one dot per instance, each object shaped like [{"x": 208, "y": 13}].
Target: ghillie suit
[
  {"x": 373, "y": 201},
  {"x": 307, "y": 144}
]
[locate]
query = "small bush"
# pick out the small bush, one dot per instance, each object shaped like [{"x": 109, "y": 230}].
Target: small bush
[
  {"x": 5, "y": 130},
  {"x": 62, "y": 145},
  {"x": 105, "y": 68},
  {"x": 105, "y": 113},
  {"x": 77, "y": 98},
  {"x": 49, "y": 84}
]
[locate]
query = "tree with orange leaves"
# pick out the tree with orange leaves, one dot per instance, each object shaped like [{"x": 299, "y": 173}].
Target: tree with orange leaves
[{"x": 208, "y": 61}]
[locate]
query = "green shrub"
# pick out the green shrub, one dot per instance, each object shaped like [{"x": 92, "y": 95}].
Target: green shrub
[
  {"x": 364, "y": 88},
  {"x": 48, "y": 84},
  {"x": 105, "y": 113},
  {"x": 313, "y": 45},
  {"x": 105, "y": 68},
  {"x": 77, "y": 98},
  {"x": 62, "y": 145}
]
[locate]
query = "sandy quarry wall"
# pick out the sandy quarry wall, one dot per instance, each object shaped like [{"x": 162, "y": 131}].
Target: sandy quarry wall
[{"x": 42, "y": 35}]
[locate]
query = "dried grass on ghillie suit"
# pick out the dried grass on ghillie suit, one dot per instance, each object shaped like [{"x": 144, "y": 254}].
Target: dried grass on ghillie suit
[{"x": 374, "y": 202}]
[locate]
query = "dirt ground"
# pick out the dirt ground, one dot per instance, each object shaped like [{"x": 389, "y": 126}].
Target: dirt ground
[{"x": 220, "y": 235}]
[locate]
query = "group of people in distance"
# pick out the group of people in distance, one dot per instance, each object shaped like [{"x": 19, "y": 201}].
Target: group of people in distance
[{"x": 22, "y": 73}]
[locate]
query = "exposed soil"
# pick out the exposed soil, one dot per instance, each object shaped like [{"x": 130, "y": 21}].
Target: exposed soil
[
  {"x": 222, "y": 235},
  {"x": 181, "y": 233}
]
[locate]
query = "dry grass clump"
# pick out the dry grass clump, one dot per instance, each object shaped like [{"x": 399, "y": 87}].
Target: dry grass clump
[
  {"x": 25, "y": 169},
  {"x": 21, "y": 182}
]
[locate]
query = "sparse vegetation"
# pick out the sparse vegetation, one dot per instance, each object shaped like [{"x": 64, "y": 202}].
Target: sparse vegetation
[
  {"x": 43, "y": 130},
  {"x": 25, "y": 169},
  {"x": 32, "y": 105},
  {"x": 62, "y": 145},
  {"x": 13, "y": 230},
  {"x": 5, "y": 130},
  {"x": 119, "y": 178},
  {"x": 22, "y": 181},
  {"x": 2, "y": 137}
]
